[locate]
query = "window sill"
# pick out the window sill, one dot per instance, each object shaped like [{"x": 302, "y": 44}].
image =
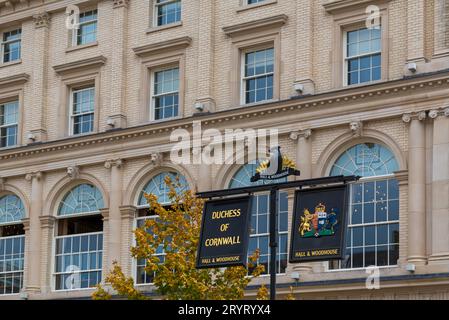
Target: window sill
[
  {"x": 245, "y": 7},
  {"x": 11, "y": 63},
  {"x": 81, "y": 46},
  {"x": 164, "y": 27},
  {"x": 165, "y": 120},
  {"x": 364, "y": 84},
  {"x": 244, "y": 105}
]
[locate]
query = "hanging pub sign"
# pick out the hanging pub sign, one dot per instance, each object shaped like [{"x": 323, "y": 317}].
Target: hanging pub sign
[
  {"x": 224, "y": 233},
  {"x": 319, "y": 224},
  {"x": 276, "y": 167}
]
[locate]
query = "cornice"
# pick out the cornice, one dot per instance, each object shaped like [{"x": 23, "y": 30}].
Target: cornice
[
  {"x": 248, "y": 27},
  {"x": 17, "y": 79},
  {"x": 94, "y": 62},
  {"x": 333, "y": 6},
  {"x": 158, "y": 131},
  {"x": 166, "y": 45}
]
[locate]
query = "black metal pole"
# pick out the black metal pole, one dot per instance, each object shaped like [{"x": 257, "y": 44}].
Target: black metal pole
[{"x": 273, "y": 240}]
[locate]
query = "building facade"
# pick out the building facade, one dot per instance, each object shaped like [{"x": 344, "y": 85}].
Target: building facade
[{"x": 354, "y": 87}]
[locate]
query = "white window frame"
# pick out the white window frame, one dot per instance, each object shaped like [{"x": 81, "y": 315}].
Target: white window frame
[
  {"x": 23, "y": 267},
  {"x": 53, "y": 264},
  {"x": 243, "y": 78},
  {"x": 75, "y": 31},
  {"x": 363, "y": 180},
  {"x": 134, "y": 266},
  {"x": 156, "y": 5},
  {"x": 346, "y": 58},
  {"x": 72, "y": 116},
  {"x": 3, "y": 43},
  {"x": 153, "y": 96},
  {"x": 16, "y": 124}
]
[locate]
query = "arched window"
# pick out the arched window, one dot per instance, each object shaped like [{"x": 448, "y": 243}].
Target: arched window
[
  {"x": 159, "y": 188},
  {"x": 260, "y": 232},
  {"x": 84, "y": 198},
  {"x": 373, "y": 232},
  {"x": 12, "y": 244},
  {"x": 79, "y": 241}
]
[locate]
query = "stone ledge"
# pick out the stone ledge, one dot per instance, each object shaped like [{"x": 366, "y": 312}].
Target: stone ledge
[
  {"x": 172, "y": 44},
  {"x": 248, "y": 27},
  {"x": 97, "y": 61}
]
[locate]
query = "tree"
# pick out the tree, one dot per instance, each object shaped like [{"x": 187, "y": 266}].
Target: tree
[{"x": 177, "y": 230}]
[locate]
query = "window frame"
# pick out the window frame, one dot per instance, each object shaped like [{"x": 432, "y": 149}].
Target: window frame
[
  {"x": 74, "y": 90},
  {"x": 75, "y": 32},
  {"x": 346, "y": 59},
  {"x": 16, "y": 124},
  {"x": 155, "y": 7},
  {"x": 153, "y": 96},
  {"x": 3, "y": 43},
  {"x": 348, "y": 20},
  {"x": 244, "y": 79}
]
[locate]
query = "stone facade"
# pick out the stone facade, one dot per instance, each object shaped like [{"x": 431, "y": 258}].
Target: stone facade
[{"x": 406, "y": 111}]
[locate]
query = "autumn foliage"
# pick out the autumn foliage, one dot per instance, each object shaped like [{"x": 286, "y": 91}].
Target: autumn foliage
[{"x": 177, "y": 230}]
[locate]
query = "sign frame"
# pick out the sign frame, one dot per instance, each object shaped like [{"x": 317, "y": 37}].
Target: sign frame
[
  {"x": 244, "y": 237},
  {"x": 343, "y": 223}
]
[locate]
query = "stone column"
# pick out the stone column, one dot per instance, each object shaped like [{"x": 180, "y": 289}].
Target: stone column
[
  {"x": 33, "y": 249},
  {"x": 440, "y": 188},
  {"x": 304, "y": 164},
  {"x": 106, "y": 267},
  {"x": 128, "y": 214},
  {"x": 118, "y": 63},
  {"x": 115, "y": 201},
  {"x": 37, "y": 107},
  {"x": 304, "y": 46},
  {"x": 205, "y": 65},
  {"x": 46, "y": 254},
  {"x": 417, "y": 188}
]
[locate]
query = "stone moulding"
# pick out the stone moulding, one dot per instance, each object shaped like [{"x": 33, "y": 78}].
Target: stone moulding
[
  {"x": 97, "y": 61},
  {"x": 248, "y": 27},
  {"x": 332, "y": 6},
  {"x": 328, "y": 99},
  {"x": 170, "y": 45},
  {"x": 14, "y": 80}
]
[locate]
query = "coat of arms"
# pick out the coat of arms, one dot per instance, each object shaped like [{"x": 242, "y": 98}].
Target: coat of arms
[{"x": 318, "y": 224}]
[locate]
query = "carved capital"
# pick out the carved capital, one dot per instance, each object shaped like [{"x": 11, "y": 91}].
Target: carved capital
[
  {"x": 120, "y": 4},
  {"x": 26, "y": 224},
  {"x": 104, "y": 213},
  {"x": 305, "y": 134},
  {"x": 73, "y": 172},
  {"x": 433, "y": 114},
  {"x": 33, "y": 175},
  {"x": 407, "y": 117},
  {"x": 446, "y": 112},
  {"x": 113, "y": 163},
  {"x": 42, "y": 20}
]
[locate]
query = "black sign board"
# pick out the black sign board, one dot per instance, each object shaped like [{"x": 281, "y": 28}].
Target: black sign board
[
  {"x": 224, "y": 233},
  {"x": 319, "y": 224}
]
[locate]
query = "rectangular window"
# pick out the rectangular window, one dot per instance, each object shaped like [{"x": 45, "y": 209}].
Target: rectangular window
[
  {"x": 254, "y": 1},
  {"x": 165, "y": 94},
  {"x": 363, "y": 55},
  {"x": 87, "y": 31},
  {"x": 373, "y": 230},
  {"x": 167, "y": 11},
  {"x": 12, "y": 251},
  {"x": 78, "y": 261},
  {"x": 9, "y": 118},
  {"x": 260, "y": 231},
  {"x": 257, "y": 75},
  {"x": 82, "y": 110},
  {"x": 143, "y": 277},
  {"x": 11, "y": 45}
]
